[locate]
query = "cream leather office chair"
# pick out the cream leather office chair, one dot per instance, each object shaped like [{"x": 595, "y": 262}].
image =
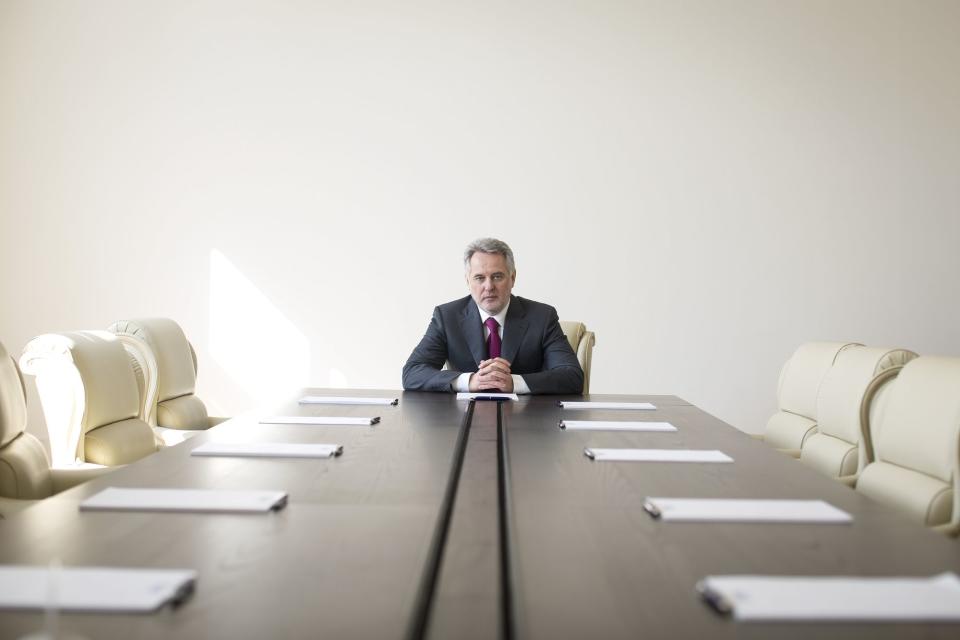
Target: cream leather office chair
[
  {"x": 582, "y": 342},
  {"x": 90, "y": 397},
  {"x": 25, "y": 474},
  {"x": 169, "y": 364},
  {"x": 914, "y": 444},
  {"x": 800, "y": 378},
  {"x": 843, "y": 409}
]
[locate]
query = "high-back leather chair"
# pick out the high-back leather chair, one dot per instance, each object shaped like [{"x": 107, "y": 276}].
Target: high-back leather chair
[
  {"x": 25, "y": 474},
  {"x": 170, "y": 373},
  {"x": 582, "y": 342},
  {"x": 914, "y": 444},
  {"x": 800, "y": 378},
  {"x": 90, "y": 397},
  {"x": 843, "y": 409}
]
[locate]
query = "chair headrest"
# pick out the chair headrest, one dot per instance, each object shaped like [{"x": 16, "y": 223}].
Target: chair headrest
[
  {"x": 919, "y": 424},
  {"x": 176, "y": 373},
  {"x": 574, "y": 331},
  {"x": 845, "y": 385},
  {"x": 802, "y": 375},
  {"x": 109, "y": 384},
  {"x": 13, "y": 402}
]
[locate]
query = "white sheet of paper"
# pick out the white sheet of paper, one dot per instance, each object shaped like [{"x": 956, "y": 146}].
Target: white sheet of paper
[
  {"x": 347, "y": 400},
  {"x": 99, "y": 589},
  {"x": 634, "y": 406},
  {"x": 483, "y": 394},
  {"x": 319, "y": 420},
  {"x": 268, "y": 450},
  {"x": 603, "y": 425},
  {"x": 835, "y": 598},
  {"x": 738, "y": 510},
  {"x": 656, "y": 455},
  {"x": 206, "y": 500}
]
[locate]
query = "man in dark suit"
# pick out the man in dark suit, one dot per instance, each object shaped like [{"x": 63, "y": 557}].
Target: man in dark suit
[{"x": 493, "y": 340}]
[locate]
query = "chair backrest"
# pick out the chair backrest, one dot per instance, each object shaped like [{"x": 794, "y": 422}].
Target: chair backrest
[
  {"x": 90, "y": 398},
  {"x": 582, "y": 342},
  {"x": 914, "y": 464},
  {"x": 800, "y": 378},
  {"x": 24, "y": 469},
  {"x": 170, "y": 372},
  {"x": 843, "y": 408}
]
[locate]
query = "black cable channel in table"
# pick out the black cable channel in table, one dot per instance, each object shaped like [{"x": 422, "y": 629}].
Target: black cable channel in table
[
  {"x": 509, "y": 594},
  {"x": 428, "y": 581}
]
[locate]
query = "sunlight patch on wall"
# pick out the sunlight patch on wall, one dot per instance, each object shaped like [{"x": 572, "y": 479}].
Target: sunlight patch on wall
[{"x": 255, "y": 344}]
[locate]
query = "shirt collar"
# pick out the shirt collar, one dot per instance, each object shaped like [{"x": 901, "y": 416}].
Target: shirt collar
[{"x": 500, "y": 317}]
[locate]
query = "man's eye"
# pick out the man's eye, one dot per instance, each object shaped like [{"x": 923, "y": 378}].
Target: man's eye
[{"x": 497, "y": 277}]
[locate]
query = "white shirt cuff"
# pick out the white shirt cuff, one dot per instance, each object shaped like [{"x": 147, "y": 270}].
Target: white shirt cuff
[
  {"x": 519, "y": 385},
  {"x": 462, "y": 383}
]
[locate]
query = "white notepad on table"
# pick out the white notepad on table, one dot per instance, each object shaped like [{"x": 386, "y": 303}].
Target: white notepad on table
[
  {"x": 268, "y": 450},
  {"x": 605, "y": 425},
  {"x": 737, "y": 510},
  {"x": 320, "y": 420},
  {"x": 656, "y": 455},
  {"x": 93, "y": 589},
  {"x": 204, "y": 500},
  {"x": 482, "y": 395},
  {"x": 634, "y": 406},
  {"x": 347, "y": 400},
  {"x": 834, "y": 598}
]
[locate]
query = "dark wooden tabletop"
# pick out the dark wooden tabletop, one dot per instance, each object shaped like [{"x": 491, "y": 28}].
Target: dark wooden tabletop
[
  {"x": 590, "y": 562},
  {"x": 343, "y": 559},
  {"x": 446, "y": 520}
]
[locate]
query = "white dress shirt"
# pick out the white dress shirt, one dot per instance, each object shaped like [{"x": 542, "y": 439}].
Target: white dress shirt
[{"x": 462, "y": 383}]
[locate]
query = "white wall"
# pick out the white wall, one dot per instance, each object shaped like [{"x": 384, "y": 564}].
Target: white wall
[{"x": 706, "y": 184}]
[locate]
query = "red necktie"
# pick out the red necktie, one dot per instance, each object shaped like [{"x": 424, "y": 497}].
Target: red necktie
[{"x": 493, "y": 342}]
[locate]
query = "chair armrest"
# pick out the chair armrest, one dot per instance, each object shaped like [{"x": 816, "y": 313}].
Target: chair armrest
[
  {"x": 950, "y": 529},
  {"x": 793, "y": 453},
  {"x": 850, "y": 480},
  {"x": 66, "y": 477}
]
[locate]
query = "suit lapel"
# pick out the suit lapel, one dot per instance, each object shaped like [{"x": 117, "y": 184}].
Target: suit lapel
[
  {"x": 515, "y": 327},
  {"x": 473, "y": 331}
]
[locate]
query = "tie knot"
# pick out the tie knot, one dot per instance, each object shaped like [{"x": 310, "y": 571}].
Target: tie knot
[{"x": 492, "y": 323}]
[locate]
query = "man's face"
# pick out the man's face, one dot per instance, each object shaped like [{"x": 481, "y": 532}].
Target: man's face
[{"x": 490, "y": 281}]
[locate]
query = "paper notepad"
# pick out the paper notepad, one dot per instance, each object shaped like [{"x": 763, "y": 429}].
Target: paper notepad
[
  {"x": 602, "y": 425},
  {"x": 635, "y": 406},
  {"x": 207, "y": 500},
  {"x": 347, "y": 400},
  {"x": 319, "y": 420},
  {"x": 656, "y": 455},
  {"x": 727, "y": 510},
  {"x": 834, "y": 598},
  {"x": 482, "y": 395},
  {"x": 94, "y": 589},
  {"x": 268, "y": 450}
]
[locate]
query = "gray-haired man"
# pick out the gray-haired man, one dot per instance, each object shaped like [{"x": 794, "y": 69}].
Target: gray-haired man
[{"x": 493, "y": 340}]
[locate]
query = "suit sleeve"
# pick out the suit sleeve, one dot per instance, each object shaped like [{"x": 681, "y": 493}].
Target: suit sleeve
[
  {"x": 561, "y": 372},
  {"x": 423, "y": 370}
]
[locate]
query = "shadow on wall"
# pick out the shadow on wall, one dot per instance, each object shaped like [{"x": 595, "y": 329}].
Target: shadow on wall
[{"x": 255, "y": 345}]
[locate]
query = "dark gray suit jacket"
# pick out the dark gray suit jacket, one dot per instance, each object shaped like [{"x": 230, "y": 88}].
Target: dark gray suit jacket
[{"x": 533, "y": 343}]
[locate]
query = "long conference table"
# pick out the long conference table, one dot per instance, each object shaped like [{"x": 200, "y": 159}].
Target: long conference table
[{"x": 468, "y": 519}]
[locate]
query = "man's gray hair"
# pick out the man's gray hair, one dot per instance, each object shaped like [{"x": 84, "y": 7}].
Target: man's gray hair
[{"x": 489, "y": 245}]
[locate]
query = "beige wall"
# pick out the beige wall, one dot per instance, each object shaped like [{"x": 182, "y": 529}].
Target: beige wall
[{"x": 706, "y": 184}]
